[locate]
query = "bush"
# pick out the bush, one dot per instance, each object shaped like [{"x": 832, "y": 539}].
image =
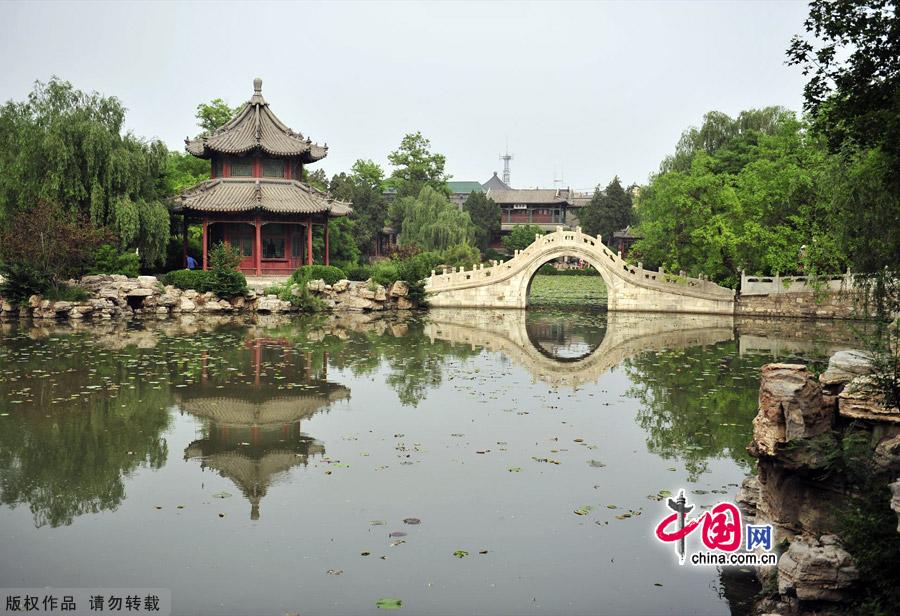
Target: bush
[
  {"x": 198, "y": 280},
  {"x": 66, "y": 293},
  {"x": 461, "y": 255},
  {"x": 21, "y": 281},
  {"x": 305, "y": 301},
  {"x": 547, "y": 269},
  {"x": 521, "y": 237},
  {"x": 385, "y": 272},
  {"x": 329, "y": 273},
  {"x": 358, "y": 272},
  {"x": 225, "y": 280},
  {"x": 108, "y": 260}
]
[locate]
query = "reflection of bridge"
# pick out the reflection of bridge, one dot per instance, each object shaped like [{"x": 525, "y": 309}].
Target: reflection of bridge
[
  {"x": 629, "y": 287},
  {"x": 626, "y": 335}
]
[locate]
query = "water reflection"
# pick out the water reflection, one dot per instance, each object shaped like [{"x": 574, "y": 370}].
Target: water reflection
[{"x": 252, "y": 412}]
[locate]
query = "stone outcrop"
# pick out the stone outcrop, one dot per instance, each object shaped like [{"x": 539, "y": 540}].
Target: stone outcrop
[
  {"x": 800, "y": 487},
  {"x": 817, "y": 570},
  {"x": 115, "y": 296}
]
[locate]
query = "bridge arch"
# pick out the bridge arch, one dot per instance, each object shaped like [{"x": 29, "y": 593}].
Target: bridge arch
[
  {"x": 562, "y": 251},
  {"x": 504, "y": 284}
]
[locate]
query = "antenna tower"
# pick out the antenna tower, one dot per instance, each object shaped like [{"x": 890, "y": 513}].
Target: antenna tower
[{"x": 506, "y": 158}]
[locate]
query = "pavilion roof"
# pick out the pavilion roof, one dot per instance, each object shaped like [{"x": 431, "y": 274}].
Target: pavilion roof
[
  {"x": 255, "y": 127},
  {"x": 269, "y": 194}
]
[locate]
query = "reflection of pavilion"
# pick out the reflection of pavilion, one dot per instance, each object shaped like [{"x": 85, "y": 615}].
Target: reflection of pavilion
[{"x": 253, "y": 433}]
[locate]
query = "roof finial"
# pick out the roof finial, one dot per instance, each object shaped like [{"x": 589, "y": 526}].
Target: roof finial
[{"x": 257, "y": 86}]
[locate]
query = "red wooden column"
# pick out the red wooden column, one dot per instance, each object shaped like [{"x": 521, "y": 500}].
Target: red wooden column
[
  {"x": 205, "y": 236},
  {"x": 184, "y": 234},
  {"x": 326, "y": 242},
  {"x": 257, "y": 248},
  {"x": 309, "y": 241}
]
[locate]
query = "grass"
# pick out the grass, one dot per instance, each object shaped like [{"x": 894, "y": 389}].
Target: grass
[{"x": 567, "y": 291}]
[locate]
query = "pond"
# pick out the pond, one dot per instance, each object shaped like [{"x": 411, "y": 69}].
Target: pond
[{"x": 317, "y": 465}]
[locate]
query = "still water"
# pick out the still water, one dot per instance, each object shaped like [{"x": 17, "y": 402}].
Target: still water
[{"x": 316, "y": 465}]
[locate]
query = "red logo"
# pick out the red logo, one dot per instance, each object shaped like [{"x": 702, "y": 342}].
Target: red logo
[{"x": 721, "y": 527}]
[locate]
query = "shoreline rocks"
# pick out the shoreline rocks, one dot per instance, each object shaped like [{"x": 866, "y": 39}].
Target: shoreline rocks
[{"x": 115, "y": 296}]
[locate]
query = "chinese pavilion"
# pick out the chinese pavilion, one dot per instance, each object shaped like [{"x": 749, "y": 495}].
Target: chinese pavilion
[{"x": 255, "y": 200}]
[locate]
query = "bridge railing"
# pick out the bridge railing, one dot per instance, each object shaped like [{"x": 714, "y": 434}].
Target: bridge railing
[
  {"x": 480, "y": 275},
  {"x": 776, "y": 285}
]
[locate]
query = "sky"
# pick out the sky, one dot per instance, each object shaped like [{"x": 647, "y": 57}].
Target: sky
[{"x": 580, "y": 91}]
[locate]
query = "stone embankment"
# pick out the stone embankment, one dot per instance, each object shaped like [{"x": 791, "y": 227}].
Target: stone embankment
[
  {"x": 115, "y": 296},
  {"x": 802, "y": 487}
]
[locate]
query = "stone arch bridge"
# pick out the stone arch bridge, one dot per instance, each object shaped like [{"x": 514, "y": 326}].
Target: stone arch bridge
[{"x": 505, "y": 284}]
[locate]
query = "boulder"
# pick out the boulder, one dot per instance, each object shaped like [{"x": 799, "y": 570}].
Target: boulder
[
  {"x": 108, "y": 292},
  {"x": 404, "y": 303},
  {"x": 139, "y": 292},
  {"x": 167, "y": 300},
  {"x": 316, "y": 286},
  {"x": 887, "y": 453},
  {"x": 844, "y": 366},
  {"x": 895, "y": 501},
  {"x": 364, "y": 292},
  {"x": 238, "y": 303},
  {"x": 269, "y": 303},
  {"x": 340, "y": 286},
  {"x": 355, "y": 302},
  {"x": 861, "y": 399},
  {"x": 186, "y": 305},
  {"x": 817, "y": 570},
  {"x": 399, "y": 289},
  {"x": 147, "y": 282},
  {"x": 62, "y": 307},
  {"x": 790, "y": 408},
  {"x": 748, "y": 496},
  {"x": 380, "y": 294}
]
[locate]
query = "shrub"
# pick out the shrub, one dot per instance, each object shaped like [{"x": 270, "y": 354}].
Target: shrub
[
  {"x": 329, "y": 273},
  {"x": 108, "y": 260},
  {"x": 198, "y": 280},
  {"x": 21, "y": 281},
  {"x": 358, "y": 272},
  {"x": 66, "y": 293},
  {"x": 225, "y": 280},
  {"x": 305, "y": 300},
  {"x": 385, "y": 272},
  {"x": 461, "y": 255}
]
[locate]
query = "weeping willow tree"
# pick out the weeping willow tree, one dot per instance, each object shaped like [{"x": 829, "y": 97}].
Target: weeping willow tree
[
  {"x": 431, "y": 222},
  {"x": 65, "y": 146}
]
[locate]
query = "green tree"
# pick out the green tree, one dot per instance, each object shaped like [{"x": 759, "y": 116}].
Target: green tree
[
  {"x": 67, "y": 147},
  {"x": 184, "y": 171},
  {"x": 431, "y": 222},
  {"x": 521, "y": 237},
  {"x": 364, "y": 188},
  {"x": 214, "y": 114},
  {"x": 485, "y": 215},
  {"x": 608, "y": 211},
  {"x": 415, "y": 167}
]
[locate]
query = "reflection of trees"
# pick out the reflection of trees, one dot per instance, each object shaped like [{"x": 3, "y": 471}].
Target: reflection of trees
[
  {"x": 696, "y": 403},
  {"x": 77, "y": 431}
]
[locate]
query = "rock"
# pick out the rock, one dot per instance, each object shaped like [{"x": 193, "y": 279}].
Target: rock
[
  {"x": 748, "y": 496},
  {"x": 139, "y": 292},
  {"x": 354, "y": 302},
  {"x": 190, "y": 294},
  {"x": 817, "y": 570},
  {"x": 147, "y": 282},
  {"x": 62, "y": 307},
  {"x": 887, "y": 453},
  {"x": 238, "y": 302},
  {"x": 861, "y": 399},
  {"x": 108, "y": 292},
  {"x": 340, "y": 286},
  {"x": 399, "y": 289},
  {"x": 790, "y": 408},
  {"x": 186, "y": 305},
  {"x": 844, "y": 366},
  {"x": 167, "y": 300},
  {"x": 364, "y": 292},
  {"x": 380, "y": 294},
  {"x": 35, "y": 301},
  {"x": 895, "y": 501},
  {"x": 316, "y": 286},
  {"x": 404, "y": 303},
  {"x": 268, "y": 304}
]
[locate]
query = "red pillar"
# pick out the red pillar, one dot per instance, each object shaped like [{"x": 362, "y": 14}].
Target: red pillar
[
  {"x": 257, "y": 249},
  {"x": 309, "y": 241},
  {"x": 326, "y": 243},
  {"x": 205, "y": 236},
  {"x": 184, "y": 233}
]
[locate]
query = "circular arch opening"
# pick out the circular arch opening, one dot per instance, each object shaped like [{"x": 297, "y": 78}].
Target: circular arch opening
[{"x": 566, "y": 281}]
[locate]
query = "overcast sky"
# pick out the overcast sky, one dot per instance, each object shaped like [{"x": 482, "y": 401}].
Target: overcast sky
[{"x": 581, "y": 91}]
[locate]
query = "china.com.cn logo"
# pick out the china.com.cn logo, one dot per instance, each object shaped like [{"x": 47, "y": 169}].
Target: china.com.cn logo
[{"x": 721, "y": 531}]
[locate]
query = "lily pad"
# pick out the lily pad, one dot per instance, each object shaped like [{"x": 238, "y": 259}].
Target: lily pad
[
  {"x": 515, "y": 469},
  {"x": 583, "y": 510},
  {"x": 412, "y": 521},
  {"x": 389, "y": 603},
  {"x": 397, "y": 533},
  {"x": 222, "y": 495},
  {"x": 596, "y": 464},
  {"x": 460, "y": 553}
]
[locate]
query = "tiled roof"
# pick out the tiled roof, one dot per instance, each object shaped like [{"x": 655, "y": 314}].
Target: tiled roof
[
  {"x": 465, "y": 187},
  {"x": 269, "y": 194},
  {"x": 495, "y": 183},
  {"x": 529, "y": 196},
  {"x": 256, "y": 127}
]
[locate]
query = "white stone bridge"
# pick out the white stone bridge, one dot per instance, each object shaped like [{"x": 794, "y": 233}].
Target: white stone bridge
[{"x": 505, "y": 284}]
